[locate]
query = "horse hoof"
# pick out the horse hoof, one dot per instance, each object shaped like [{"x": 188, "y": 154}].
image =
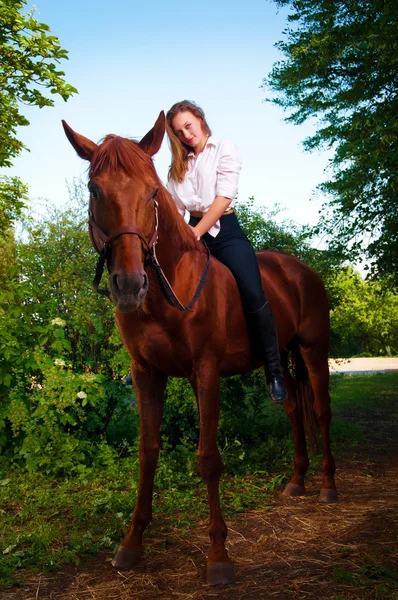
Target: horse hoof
[
  {"x": 126, "y": 559},
  {"x": 220, "y": 574},
  {"x": 293, "y": 489},
  {"x": 329, "y": 496}
]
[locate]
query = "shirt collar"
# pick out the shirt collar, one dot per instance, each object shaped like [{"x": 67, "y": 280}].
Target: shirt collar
[{"x": 210, "y": 142}]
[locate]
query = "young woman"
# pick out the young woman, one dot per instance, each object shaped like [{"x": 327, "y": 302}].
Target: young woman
[{"x": 203, "y": 179}]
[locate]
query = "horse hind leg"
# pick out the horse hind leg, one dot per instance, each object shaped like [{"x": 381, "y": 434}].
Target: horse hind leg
[
  {"x": 316, "y": 361},
  {"x": 296, "y": 485}
]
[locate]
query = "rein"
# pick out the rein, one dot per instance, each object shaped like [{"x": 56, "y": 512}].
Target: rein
[{"x": 150, "y": 259}]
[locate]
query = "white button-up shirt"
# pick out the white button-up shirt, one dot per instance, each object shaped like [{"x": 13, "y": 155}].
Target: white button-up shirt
[{"x": 214, "y": 172}]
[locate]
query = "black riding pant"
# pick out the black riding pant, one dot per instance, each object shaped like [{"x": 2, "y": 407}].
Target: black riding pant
[{"x": 233, "y": 249}]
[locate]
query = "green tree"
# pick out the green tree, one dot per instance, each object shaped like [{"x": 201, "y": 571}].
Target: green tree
[
  {"x": 56, "y": 262},
  {"x": 340, "y": 67},
  {"x": 29, "y": 56},
  {"x": 61, "y": 357},
  {"x": 265, "y": 234},
  {"x": 364, "y": 316}
]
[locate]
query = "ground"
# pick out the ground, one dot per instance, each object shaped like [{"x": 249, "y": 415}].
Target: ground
[
  {"x": 297, "y": 549},
  {"x": 375, "y": 364}
]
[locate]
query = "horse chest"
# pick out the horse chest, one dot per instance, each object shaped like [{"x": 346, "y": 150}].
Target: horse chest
[{"x": 162, "y": 346}]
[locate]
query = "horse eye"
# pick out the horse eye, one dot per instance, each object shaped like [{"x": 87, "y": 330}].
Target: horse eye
[
  {"x": 93, "y": 193},
  {"x": 155, "y": 193}
]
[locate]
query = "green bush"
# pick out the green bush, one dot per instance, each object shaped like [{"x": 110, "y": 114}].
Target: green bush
[
  {"x": 364, "y": 316},
  {"x": 62, "y": 362},
  {"x": 253, "y": 433}
]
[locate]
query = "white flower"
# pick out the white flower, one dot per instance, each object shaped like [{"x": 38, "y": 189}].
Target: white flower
[
  {"x": 58, "y": 362},
  {"x": 58, "y": 321},
  {"x": 81, "y": 395}
]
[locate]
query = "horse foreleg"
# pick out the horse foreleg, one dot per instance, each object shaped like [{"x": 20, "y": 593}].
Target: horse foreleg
[
  {"x": 219, "y": 570},
  {"x": 296, "y": 486},
  {"x": 149, "y": 387},
  {"x": 316, "y": 361}
]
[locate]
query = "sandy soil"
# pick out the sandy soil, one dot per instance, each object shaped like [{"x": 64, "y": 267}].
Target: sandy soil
[{"x": 363, "y": 365}]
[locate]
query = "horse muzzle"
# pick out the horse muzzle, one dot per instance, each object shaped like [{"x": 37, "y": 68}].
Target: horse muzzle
[{"x": 128, "y": 290}]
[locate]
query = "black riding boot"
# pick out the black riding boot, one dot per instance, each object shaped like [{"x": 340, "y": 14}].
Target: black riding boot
[{"x": 263, "y": 330}]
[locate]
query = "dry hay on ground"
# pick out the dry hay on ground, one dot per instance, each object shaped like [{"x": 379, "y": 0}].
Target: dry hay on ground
[{"x": 298, "y": 549}]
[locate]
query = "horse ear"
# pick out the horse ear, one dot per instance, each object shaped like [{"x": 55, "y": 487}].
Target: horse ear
[
  {"x": 152, "y": 141},
  {"x": 83, "y": 146}
]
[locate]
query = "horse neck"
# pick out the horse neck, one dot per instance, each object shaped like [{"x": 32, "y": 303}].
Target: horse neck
[{"x": 175, "y": 239}]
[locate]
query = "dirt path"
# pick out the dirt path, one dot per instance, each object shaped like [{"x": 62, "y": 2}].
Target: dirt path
[
  {"x": 298, "y": 549},
  {"x": 378, "y": 364}
]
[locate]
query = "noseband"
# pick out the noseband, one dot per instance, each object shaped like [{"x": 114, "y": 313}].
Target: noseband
[{"x": 150, "y": 259}]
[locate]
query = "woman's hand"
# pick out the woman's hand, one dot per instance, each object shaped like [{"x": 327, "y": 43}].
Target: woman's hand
[
  {"x": 195, "y": 232},
  {"x": 218, "y": 207}
]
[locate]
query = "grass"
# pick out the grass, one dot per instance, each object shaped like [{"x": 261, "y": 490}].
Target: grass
[
  {"x": 381, "y": 579},
  {"x": 47, "y": 522},
  {"x": 363, "y": 391}
]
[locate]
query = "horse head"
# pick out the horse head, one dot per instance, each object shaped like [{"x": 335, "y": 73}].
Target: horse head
[{"x": 123, "y": 217}]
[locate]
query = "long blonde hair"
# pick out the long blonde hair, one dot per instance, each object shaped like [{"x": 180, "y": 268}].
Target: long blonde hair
[{"x": 179, "y": 150}]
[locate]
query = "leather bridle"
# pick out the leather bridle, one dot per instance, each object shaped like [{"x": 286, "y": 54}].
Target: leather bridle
[{"x": 150, "y": 258}]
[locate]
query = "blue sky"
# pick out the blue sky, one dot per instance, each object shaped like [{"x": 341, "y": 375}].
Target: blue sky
[{"x": 131, "y": 59}]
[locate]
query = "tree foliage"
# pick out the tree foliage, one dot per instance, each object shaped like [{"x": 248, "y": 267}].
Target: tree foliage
[
  {"x": 265, "y": 233},
  {"x": 62, "y": 363},
  {"x": 341, "y": 67},
  {"x": 364, "y": 316},
  {"x": 29, "y": 59},
  {"x": 61, "y": 358}
]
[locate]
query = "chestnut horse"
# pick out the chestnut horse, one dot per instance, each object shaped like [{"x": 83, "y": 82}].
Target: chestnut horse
[{"x": 202, "y": 344}]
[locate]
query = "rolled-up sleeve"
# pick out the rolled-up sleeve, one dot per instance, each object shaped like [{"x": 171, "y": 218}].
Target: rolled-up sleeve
[
  {"x": 179, "y": 204},
  {"x": 228, "y": 170}
]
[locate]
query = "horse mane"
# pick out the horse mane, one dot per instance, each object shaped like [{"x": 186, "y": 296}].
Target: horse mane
[
  {"x": 177, "y": 229},
  {"x": 116, "y": 153}
]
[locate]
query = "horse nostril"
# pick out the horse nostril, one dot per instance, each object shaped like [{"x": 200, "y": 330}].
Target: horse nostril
[
  {"x": 115, "y": 284},
  {"x": 125, "y": 284}
]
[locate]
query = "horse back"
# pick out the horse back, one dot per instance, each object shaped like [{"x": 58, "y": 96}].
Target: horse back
[
  {"x": 297, "y": 297},
  {"x": 174, "y": 341}
]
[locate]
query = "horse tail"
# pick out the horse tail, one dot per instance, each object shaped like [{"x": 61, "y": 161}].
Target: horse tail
[{"x": 305, "y": 398}]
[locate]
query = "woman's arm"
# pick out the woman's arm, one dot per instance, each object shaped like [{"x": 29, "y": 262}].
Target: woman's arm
[
  {"x": 216, "y": 210},
  {"x": 228, "y": 168}
]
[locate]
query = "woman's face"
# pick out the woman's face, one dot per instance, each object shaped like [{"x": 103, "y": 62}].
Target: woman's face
[{"x": 188, "y": 129}]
